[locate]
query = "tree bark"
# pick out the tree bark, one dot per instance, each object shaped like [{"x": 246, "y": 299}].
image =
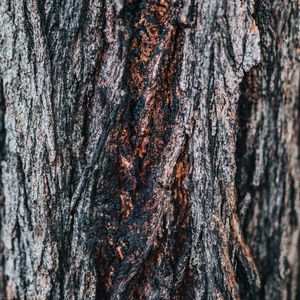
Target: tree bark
[{"x": 149, "y": 149}]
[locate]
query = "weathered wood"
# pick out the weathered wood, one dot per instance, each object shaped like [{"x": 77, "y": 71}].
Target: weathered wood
[{"x": 150, "y": 149}]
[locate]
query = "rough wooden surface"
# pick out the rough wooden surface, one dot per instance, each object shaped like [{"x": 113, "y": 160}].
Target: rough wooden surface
[
  {"x": 269, "y": 160},
  {"x": 150, "y": 149}
]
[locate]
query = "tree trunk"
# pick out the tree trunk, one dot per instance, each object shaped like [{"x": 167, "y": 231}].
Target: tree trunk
[{"x": 150, "y": 149}]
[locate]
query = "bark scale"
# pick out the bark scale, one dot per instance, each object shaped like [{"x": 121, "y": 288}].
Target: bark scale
[{"x": 149, "y": 149}]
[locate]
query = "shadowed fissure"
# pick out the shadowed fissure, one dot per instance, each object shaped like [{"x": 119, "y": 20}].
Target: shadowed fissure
[
  {"x": 2, "y": 157},
  {"x": 146, "y": 248}
]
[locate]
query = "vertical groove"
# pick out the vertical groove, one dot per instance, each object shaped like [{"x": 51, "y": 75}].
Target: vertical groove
[
  {"x": 268, "y": 152},
  {"x": 2, "y": 200}
]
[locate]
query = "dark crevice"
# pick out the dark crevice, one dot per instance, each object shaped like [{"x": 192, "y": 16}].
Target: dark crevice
[
  {"x": 22, "y": 185},
  {"x": 29, "y": 31},
  {"x": 245, "y": 162},
  {"x": 245, "y": 158},
  {"x": 138, "y": 180},
  {"x": 2, "y": 199}
]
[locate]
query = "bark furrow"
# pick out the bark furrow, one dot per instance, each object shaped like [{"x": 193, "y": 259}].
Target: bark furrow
[{"x": 149, "y": 149}]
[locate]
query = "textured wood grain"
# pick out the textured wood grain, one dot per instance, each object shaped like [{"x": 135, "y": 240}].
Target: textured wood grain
[{"x": 149, "y": 149}]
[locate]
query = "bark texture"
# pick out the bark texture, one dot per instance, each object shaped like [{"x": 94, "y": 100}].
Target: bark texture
[{"x": 149, "y": 149}]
